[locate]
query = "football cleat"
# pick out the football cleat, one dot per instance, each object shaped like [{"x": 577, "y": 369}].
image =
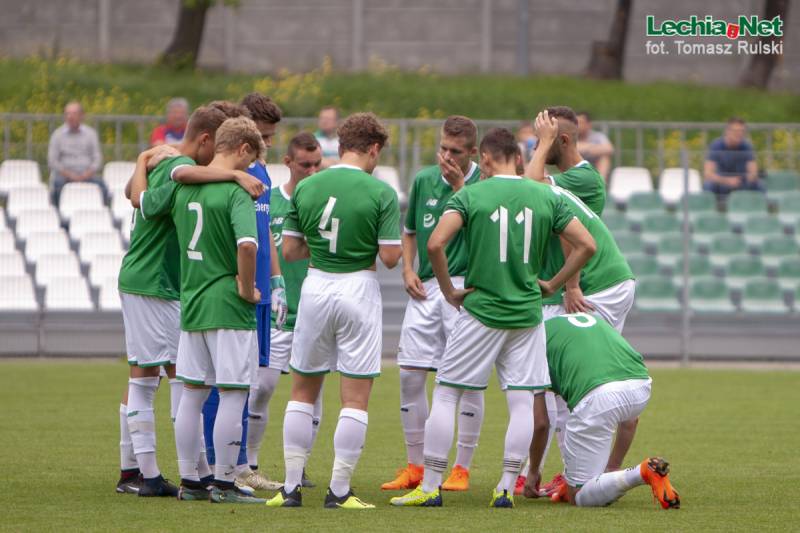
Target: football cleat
[
  {"x": 348, "y": 501},
  {"x": 502, "y": 499},
  {"x": 655, "y": 472},
  {"x": 282, "y": 499},
  {"x": 256, "y": 481},
  {"x": 458, "y": 479},
  {"x": 419, "y": 498},
  {"x": 553, "y": 483},
  {"x": 129, "y": 482},
  {"x": 192, "y": 491},
  {"x": 407, "y": 478},
  {"x": 519, "y": 485},
  {"x": 158, "y": 486},
  {"x": 231, "y": 495}
]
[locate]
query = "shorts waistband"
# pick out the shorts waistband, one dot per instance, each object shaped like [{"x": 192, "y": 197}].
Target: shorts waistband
[
  {"x": 433, "y": 282},
  {"x": 359, "y": 274},
  {"x": 614, "y": 386}
]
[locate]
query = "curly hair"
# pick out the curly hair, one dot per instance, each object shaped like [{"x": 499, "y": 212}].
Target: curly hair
[
  {"x": 359, "y": 131},
  {"x": 262, "y": 108}
]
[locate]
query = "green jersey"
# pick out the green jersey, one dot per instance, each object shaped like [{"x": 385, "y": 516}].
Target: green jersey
[
  {"x": 293, "y": 272},
  {"x": 211, "y": 221},
  {"x": 151, "y": 266},
  {"x": 508, "y": 222},
  {"x": 429, "y": 195},
  {"x": 344, "y": 214},
  {"x": 584, "y": 352}
]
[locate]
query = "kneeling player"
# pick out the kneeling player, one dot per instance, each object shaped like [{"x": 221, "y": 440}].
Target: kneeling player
[{"x": 604, "y": 382}]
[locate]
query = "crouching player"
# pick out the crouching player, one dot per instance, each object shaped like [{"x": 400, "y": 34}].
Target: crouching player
[{"x": 604, "y": 382}]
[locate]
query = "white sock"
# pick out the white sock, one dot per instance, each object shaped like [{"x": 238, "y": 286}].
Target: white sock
[
  {"x": 189, "y": 431},
  {"x": 315, "y": 422},
  {"x": 228, "y": 433},
  {"x": 518, "y": 436},
  {"x": 348, "y": 441},
  {"x": 552, "y": 415},
  {"x": 203, "y": 468},
  {"x": 439, "y": 431},
  {"x": 175, "y": 391},
  {"x": 258, "y": 408},
  {"x": 562, "y": 414},
  {"x": 297, "y": 434},
  {"x": 470, "y": 418},
  {"x": 127, "y": 460},
  {"x": 608, "y": 487},
  {"x": 142, "y": 423},
  {"x": 414, "y": 412}
]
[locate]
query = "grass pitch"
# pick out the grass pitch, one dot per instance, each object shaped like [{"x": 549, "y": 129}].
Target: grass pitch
[{"x": 731, "y": 437}]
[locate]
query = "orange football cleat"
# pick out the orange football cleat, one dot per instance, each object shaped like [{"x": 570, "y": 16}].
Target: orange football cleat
[
  {"x": 559, "y": 492},
  {"x": 407, "y": 478},
  {"x": 519, "y": 485},
  {"x": 458, "y": 480},
  {"x": 655, "y": 472}
]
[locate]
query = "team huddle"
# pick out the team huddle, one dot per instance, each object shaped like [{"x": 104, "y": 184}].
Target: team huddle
[{"x": 230, "y": 283}]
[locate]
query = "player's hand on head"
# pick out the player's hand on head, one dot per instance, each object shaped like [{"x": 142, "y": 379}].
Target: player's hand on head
[
  {"x": 254, "y": 186},
  {"x": 574, "y": 302},
  {"x": 546, "y": 127},
  {"x": 414, "y": 286}
]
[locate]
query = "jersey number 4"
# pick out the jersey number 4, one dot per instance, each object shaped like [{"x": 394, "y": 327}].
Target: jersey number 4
[
  {"x": 524, "y": 217},
  {"x": 198, "y": 229},
  {"x": 332, "y": 234}
]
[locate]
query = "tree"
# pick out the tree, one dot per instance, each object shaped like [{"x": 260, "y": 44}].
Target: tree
[
  {"x": 761, "y": 65},
  {"x": 184, "y": 49},
  {"x": 608, "y": 56}
]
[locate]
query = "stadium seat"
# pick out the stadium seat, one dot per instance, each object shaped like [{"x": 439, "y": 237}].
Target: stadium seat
[
  {"x": 780, "y": 182},
  {"x": 16, "y": 294},
  {"x": 724, "y": 247},
  {"x": 742, "y": 204},
  {"x": 741, "y": 269},
  {"x": 278, "y": 174},
  {"x": 46, "y": 242},
  {"x": 671, "y": 186},
  {"x": 629, "y": 243},
  {"x": 104, "y": 267},
  {"x": 16, "y": 173},
  {"x": 3, "y": 226},
  {"x": 789, "y": 208},
  {"x": 789, "y": 274},
  {"x": 643, "y": 265},
  {"x": 763, "y": 296},
  {"x": 52, "y": 266},
  {"x": 670, "y": 251},
  {"x": 121, "y": 207},
  {"x": 758, "y": 227},
  {"x": 116, "y": 175},
  {"x": 775, "y": 249},
  {"x": 710, "y": 296},
  {"x": 7, "y": 242},
  {"x": 109, "y": 295},
  {"x": 89, "y": 221},
  {"x": 67, "y": 294},
  {"x": 699, "y": 267},
  {"x": 37, "y": 220},
  {"x": 642, "y": 205},
  {"x": 701, "y": 203},
  {"x": 389, "y": 176},
  {"x": 26, "y": 198},
  {"x": 626, "y": 181},
  {"x": 708, "y": 227},
  {"x": 12, "y": 264},
  {"x": 657, "y": 225},
  {"x": 79, "y": 197},
  {"x": 656, "y": 294},
  {"x": 615, "y": 221},
  {"x": 99, "y": 243}
]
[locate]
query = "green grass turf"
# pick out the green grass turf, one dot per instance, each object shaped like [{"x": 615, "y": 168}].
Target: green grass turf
[{"x": 731, "y": 437}]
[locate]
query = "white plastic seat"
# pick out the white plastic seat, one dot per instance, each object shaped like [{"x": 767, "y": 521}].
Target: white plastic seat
[
  {"x": 37, "y": 220},
  {"x": 125, "y": 229},
  {"x": 104, "y": 267},
  {"x": 15, "y": 173},
  {"x": 121, "y": 207},
  {"x": 116, "y": 175},
  {"x": 389, "y": 176},
  {"x": 66, "y": 294},
  {"x": 670, "y": 184},
  {"x": 53, "y": 266},
  {"x": 109, "y": 295},
  {"x": 626, "y": 181},
  {"x": 3, "y": 226},
  {"x": 100, "y": 243},
  {"x": 26, "y": 198},
  {"x": 16, "y": 294},
  {"x": 12, "y": 264},
  {"x": 89, "y": 221},
  {"x": 7, "y": 242},
  {"x": 278, "y": 174},
  {"x": 79, "y": 197},
  {"x": 46, "y": 242}
]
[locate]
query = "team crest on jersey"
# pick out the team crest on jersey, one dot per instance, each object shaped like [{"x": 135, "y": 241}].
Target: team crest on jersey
[
  {"x": 277, "y": 220},
  {"x": 432, "y": 202},
  {"x": 428, "y": 220}
]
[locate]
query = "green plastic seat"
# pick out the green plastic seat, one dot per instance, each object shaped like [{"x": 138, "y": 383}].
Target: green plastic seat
[
  {"x": 615, "y": 221},
  {"x": 758, "y": 227},
  {"x": 700, "y": 203},
  {"x": 670, "y": 251},
  {"x": 643, "y": 265},
  {"x": 724, "y": 247},
  {"x": 629, "y": 243},
  {"x": 710, "y": 296},
  {"x": 775, "y": 249},
  {"x": 699, "y": 268},
  {"x": 742, "y": 269},
  {"x": 654, "y": 226},
  {"x": 789, "y": 208},
  {"x": 781, "y": 181},
  {"x": 763, "y": 296},
  {"x": 789, "y": 274},
  {"x": 742, "y": 204},
  {"x": 644, "y": 204},
  {"x": 656, "y": 294},
  {"x": 708, "y": 226}
]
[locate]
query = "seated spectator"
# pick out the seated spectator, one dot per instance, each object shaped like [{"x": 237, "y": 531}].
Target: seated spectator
[
  {"x": 74, "y": 154},
  {"x": 594, "y": 146},
  {"x": 174, "y": 126},
  {"x": 326, "y": 135},
  {"x": 731, "y": 162},
  {"x": 526, "y": 138}
]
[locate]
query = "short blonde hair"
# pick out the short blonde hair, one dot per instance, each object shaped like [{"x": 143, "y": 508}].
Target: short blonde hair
[{"x": 235, "y": 132}]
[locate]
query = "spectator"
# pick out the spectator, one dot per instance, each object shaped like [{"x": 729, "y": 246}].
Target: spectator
[
  {"x": 326, "y": 135},
  {"x": 174, "y": 126},
  {"x": 731, "y": 163},
  {"x": 526, "y": 138},
  {"x": 74, "y": 152},
  {"x": 594, "y": 146}
]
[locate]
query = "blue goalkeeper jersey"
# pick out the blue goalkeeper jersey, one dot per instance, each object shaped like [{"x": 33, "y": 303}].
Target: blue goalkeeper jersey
[{"x": 263, "y": 273}]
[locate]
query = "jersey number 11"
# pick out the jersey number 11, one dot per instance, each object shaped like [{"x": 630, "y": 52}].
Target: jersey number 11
[{"x": 523, "y": 217}]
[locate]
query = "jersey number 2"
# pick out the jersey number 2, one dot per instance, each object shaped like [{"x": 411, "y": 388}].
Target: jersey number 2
[
  {"x": 198, "y": 229},
  {"x": 523, "y": 217},
  {"x": 333, "y": 234}
]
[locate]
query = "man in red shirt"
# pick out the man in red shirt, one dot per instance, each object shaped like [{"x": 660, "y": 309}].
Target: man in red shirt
[{"x": 173, "y": 128}]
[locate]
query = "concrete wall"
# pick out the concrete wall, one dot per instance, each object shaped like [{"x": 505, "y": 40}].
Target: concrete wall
[{"x": 447, "y": 35}]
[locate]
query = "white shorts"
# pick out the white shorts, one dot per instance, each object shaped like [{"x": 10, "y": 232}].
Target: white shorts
[
  {"x": 152, "y": 329},
  {"x": 612, "y": 304},
  {"x": 426, "y": 326},
  {"x": 473, "y": 349},
  {"x": 225, "y": 358},
  {"x": 339, "y": 325},
  {"x": 591, "y": 426},
  {"x": 280, "y": 349}
]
